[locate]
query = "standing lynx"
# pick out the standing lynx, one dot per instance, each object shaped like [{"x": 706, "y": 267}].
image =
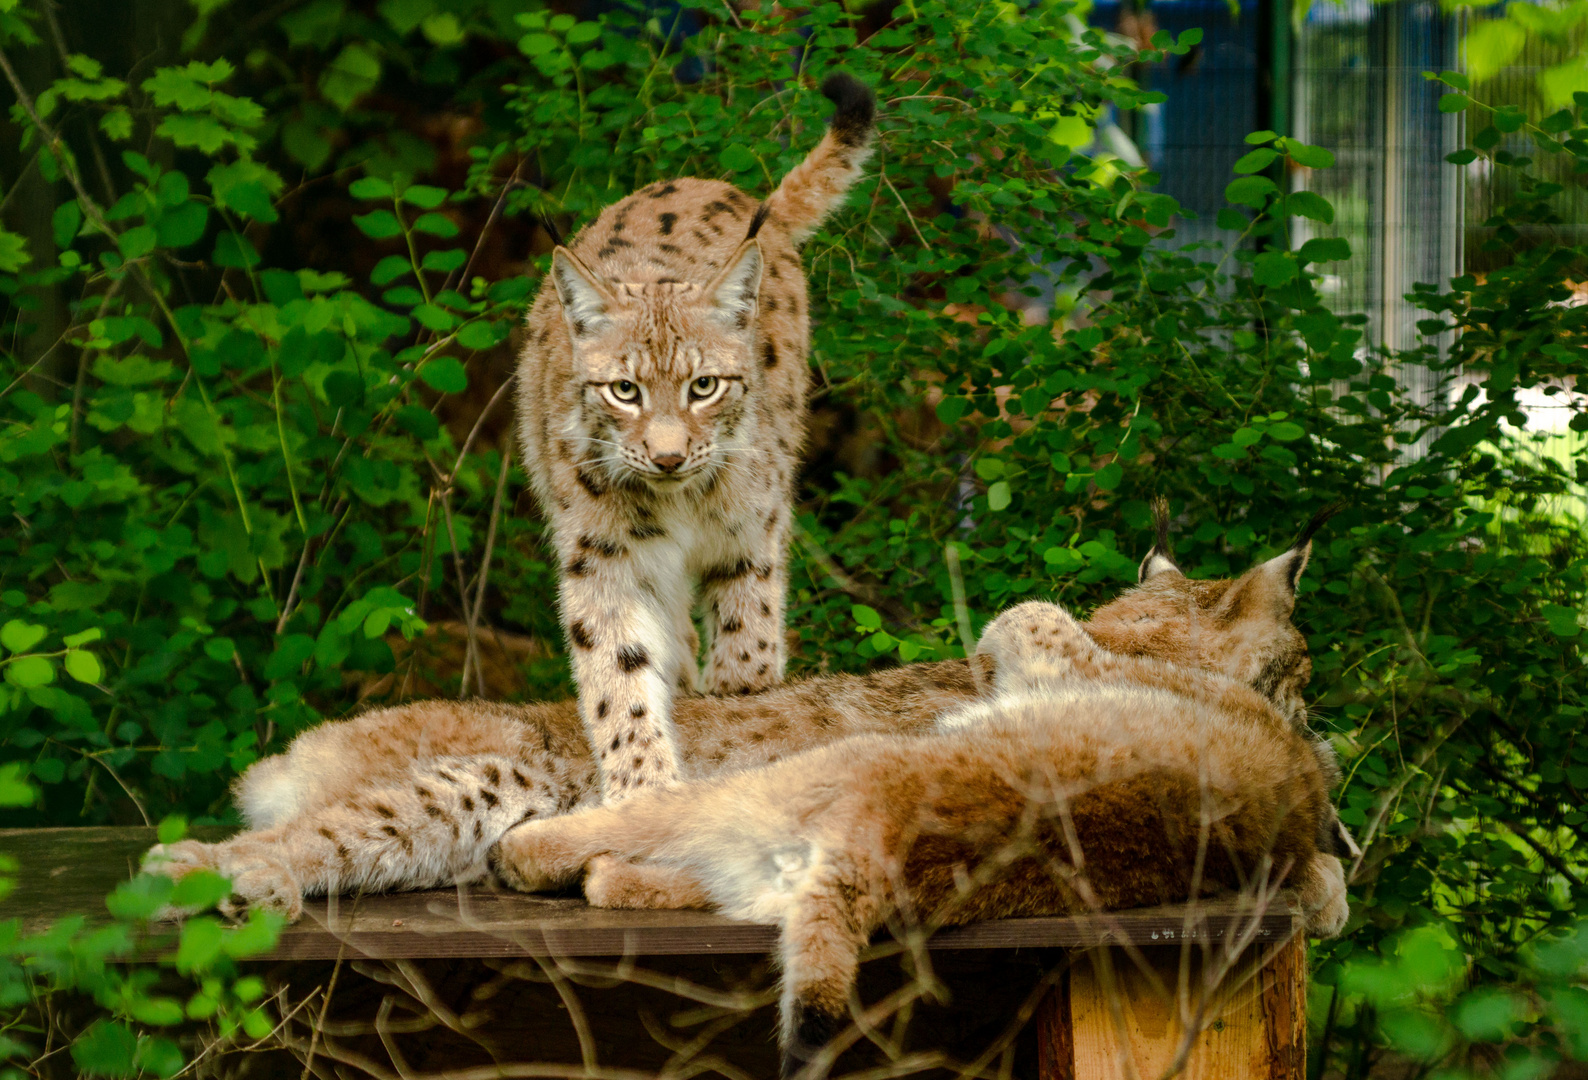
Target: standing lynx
[{"x": 661, "y": 408}]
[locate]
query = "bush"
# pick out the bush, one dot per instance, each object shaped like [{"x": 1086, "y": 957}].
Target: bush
[{"x": 229, "y": 478}]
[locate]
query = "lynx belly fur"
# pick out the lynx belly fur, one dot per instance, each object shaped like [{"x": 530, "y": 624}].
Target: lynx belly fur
[
  {"x": 1090, "y": 781},
  {"x": 414, "y": 796},
  {"x": 661, "y": 407}
]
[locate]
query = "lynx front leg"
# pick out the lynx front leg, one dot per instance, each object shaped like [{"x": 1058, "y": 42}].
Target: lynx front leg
[
  {"x": 744, "y": 604},
  {"x": 625, "y": 661}
]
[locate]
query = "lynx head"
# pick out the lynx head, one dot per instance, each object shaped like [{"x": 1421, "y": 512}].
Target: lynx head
[
  {"x": 665, "y": 365},
  {"x": 1240, "y": 628}
]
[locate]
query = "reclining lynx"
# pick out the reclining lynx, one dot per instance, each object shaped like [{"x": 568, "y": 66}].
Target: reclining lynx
[
  {"x": 661, "y": 407},
  {"x": 1090, "y": 781},
  {"x": 413, "y": 797}
]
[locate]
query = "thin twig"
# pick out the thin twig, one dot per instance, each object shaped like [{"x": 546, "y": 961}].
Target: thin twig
[{"x": 473, "y": 613}]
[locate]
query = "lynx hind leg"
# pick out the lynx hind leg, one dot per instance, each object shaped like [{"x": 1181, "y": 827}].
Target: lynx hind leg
[
  {"x": 253, "y": 863},
  {"x": 611, "y": 882},
  {"x": 1037, "y": 645}
]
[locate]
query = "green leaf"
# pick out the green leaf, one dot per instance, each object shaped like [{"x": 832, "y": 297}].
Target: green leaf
[
  {"x": 1258, "y": 138},
  {"x": 83, "y": 666},
  {"x": 137, "y": 242},
  {"x": 1233, "y": 220},
  {"x": 156, "y": 1012},
  {"x": 65, "y": 223},
  {"x": 200, "y": 944},
  {"x": 1312, "y": 157},
  {"x": 737, "y": 158},
  {"x": 1256, "y": 160},
  {"x": 390, "y": 268},
  {"x": 444, "y": 29},
  {"x": 354, "y": 73},
  {"x": 1562, "y": 82},
  {"x": 482, "y": 334},
  {"x": 1461, "y": 157},
  {"x": 182, "y": 225},
  {"x": 1453, "y": 103},
  {"x": 1250, "y": 191},
  {"x": 1562, "y": 620},
  {"x": 1488, "y": 1014},
  {"x": 14, "y": 787},
  {"x": 999, "y": 496},
  {"x": 83, "y": 637},
  {"x": 537, "y": 44},
  {"x": 424, "y": 196},
  {"x": 583, "y": 33},
  {"x": 173, "y": 827},
  {"x": 246, "y": 187},
  {"x": 378, "y": 224},
  {"x": 866, "y": 618},
  {"x": 1274, "y": 268},
  {"x": 202, "y": 133},
  {"x": 1285, "y": 431},
  {"x": 234, "y": 251},
  {"x": 446, "y": 374},
  {"x": 951, "y": 409},
  {"x": 105, "y": 1049},
  {"x": 444, "y": 262},
  {"x": 1109, "y": 476},
  {"x": 370, "y": 187},
  {"x": 1491, "y": 45},
  {"x": 436, "y": 225},
  {"x": 18, "y": 636},
  {"x": 1310, "y": 205},
  {"x": 1324, "y": 249},
  {"x": 30, "y": 671}
]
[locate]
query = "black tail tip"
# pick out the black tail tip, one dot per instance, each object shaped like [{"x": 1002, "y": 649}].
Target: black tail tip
[{"x": 855, "y": 106}]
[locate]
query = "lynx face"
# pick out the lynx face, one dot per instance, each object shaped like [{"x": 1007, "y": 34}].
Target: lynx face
[{"x": 667, "y": 367}]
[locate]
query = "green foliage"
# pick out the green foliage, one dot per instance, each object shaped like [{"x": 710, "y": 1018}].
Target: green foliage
[{"x": 233, "y": 477}]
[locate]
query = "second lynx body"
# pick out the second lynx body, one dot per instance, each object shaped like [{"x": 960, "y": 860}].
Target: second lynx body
[{"x": 661, "y": 411}]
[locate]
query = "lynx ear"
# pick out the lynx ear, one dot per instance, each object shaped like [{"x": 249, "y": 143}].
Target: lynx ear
[
  {"x": 732, "y": 294},
  {"x": 1271, "y": 585},
  {"x": 586, "y": 303},
  {"x": 1160, "y": 560}
]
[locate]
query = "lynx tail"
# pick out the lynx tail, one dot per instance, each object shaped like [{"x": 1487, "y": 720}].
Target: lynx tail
[{"x": 815, "y": 187}]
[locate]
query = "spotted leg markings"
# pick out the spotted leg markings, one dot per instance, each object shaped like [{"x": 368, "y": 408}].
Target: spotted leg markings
[{"x": 744, "y": 600}]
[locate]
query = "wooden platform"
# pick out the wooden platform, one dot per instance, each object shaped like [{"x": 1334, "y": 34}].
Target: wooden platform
[{"x": 1114, "y": 1002}]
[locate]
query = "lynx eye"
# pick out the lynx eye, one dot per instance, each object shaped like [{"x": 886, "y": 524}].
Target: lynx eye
[
  {"x": 703, "y": 387},
  {"x": 624, "y": 391}
]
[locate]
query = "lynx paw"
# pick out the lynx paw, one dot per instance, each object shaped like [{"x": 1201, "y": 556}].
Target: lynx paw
[
  {"x": 611, "y": 882},
  {"x": 1036, "y": 643},
  {"x": 1323, "y": 899},
  {"x": 517, "y": 861},
  {"x": 258, "y": 880}
]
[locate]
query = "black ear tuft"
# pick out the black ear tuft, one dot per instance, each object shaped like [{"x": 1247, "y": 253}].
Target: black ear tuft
[
  {"x": 762, "y": 212},
  {"x": 1160, "y": 523},
  {"x": 1319, "y": 520},
  {"x": 551, "y": 230},
  {"x": 855, "y": 107}
]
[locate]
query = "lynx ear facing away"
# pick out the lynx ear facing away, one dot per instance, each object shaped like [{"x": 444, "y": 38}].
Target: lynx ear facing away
[
  {"x": 1160, "y": 560},
  {"x": 1272, "y": 585},
  {"x": 732, "y": 294},
  {"x": 586, "y": 303}
]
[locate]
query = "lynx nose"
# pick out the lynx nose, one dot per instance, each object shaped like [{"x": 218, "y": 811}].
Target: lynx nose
[{"x": 667, "y": 462}]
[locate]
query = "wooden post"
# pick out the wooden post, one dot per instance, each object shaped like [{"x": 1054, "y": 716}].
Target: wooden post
[{"x": 1108, "y": 1021}]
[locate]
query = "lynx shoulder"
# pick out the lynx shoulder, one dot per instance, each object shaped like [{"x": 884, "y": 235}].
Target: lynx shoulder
[{"x": 662, "y": 410}]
